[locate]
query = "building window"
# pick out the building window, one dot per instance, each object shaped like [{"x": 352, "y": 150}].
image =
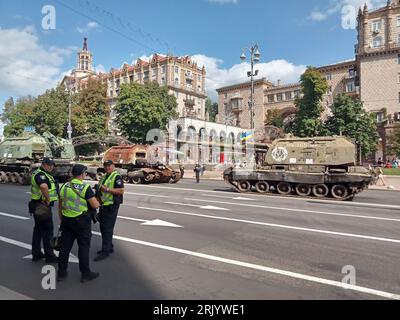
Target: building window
[
  {"x": 297, "y": 93},
  {"x": 163, "y": 80},
  {"x": 398, "y": 21},
  {"x": 398, "y": 38},
  {"x": 350, "y": 87},
  {"x": 398, "y": 58},
  {"x": 154, "y": 72},
  {"x": 377, "y": 42},
  {"x": 226, "y": 95},
  {"x": 398, "y": 78},
  {"x": 399, "y": 97},
  {"x": 198, "y": 77},
  {"x": 352, "y": 73},
  {"x": 279, "y": 97},
  {"x": 176, "y": 81},
  {"x": 131, "y": 79},
  {"x": 288, "y": 95},
  {"x": 376, "y": 25},
  {"x": 271, "y": 98},
  {"x": 176, "y": 69},
  {"x": 118, "y": 83},
  {"x": 328, "y": 77},
  {"x": 163, "y": 69},
  {"x": 329, "y": 90}
]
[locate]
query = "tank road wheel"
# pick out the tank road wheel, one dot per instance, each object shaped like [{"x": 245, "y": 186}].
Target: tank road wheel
[
  {"x": 13, "y": 177},
  {"x": 99, "y": 175},
  {"x": 262, "y": 187},
  {"x": 244, "y": 186},
  {"x": 339, "y": 191},
  {"x": 173, "y": 180},
  {"x": 126, "y": 179},
  {"x": 284, "y": 188},
  {"x": 3, "y": 177},
  {"x": 21, "y": 178},
  {"x": 320, "y": 190},
  {"x": 303, "y": 190},
  {"x": 136, "y": 180},
  {"x": 148, "y": 177}
]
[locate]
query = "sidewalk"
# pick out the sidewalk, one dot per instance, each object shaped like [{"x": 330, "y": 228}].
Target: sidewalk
[{"x": 392, "y": 184}]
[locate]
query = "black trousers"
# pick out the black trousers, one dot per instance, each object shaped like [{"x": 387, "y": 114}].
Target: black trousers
[
  {"x": 42, "y": 231},
  {"x": 72, "y": 229},
  {"x": 107, "y": 218},
  {"x": 198, "y": 177}
]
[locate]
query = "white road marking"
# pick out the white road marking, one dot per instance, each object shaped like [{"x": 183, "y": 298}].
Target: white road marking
[
  {"x": 13, "y": 216},
  {"x": 154, "y": 223},
  {"x": 297, "y": 210},
  {"x": 233, "y": 198},
  {"x": 199, "y": 206},
  {"x": 276, "y": 225},
  {"x": 243, "y": 264},
  {"x": 277, "y": 197},
  {"x": 144, "y": 194},
  {"x": 72, "y": 258}
]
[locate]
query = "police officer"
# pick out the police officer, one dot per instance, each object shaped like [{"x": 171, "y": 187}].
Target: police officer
[
  {"x": 110, "y": 192},
  {"x": 197, "y": 170},
  {"x": 44, "y": 192},
  {"x": 76, "y": 223}
]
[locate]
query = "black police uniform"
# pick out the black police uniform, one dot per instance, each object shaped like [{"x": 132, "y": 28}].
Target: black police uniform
[
  {"x": 197, "y": 170},
  {"x": 108, "y": 217},
  {"x": 79, "y": 228},
  {"x": 43, "y": 229}
]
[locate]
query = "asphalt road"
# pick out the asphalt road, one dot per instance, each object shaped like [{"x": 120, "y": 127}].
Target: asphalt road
[{"x": 222, "y": 245}]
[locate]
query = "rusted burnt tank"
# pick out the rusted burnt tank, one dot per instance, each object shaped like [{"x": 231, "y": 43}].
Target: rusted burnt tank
[
  {"x": 158, "y": 173},
  {"x": 127, "y": 158},
  {"x": 320, "y": 167},
  {"x": 132, "y": 162}
]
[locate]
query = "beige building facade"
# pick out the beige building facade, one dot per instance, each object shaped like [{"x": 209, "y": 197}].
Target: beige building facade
[{"x": 181, "y": 75}]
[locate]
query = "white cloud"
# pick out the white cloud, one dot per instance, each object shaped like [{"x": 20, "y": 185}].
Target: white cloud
[
  {"x": 218, "y": 77},
  {"x": 100, "y": 68},
  {"x": 89, "y": 27},
  {"x": 26, "y": 66},
  {"x": 336, "y": 6},
  {"x": 224, "y": 1}
]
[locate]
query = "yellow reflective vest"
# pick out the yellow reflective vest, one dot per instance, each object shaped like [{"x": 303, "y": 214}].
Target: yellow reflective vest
[
  {"x": 36, "y": 193},
  {"x": 73, "y": 199},
  {"x": 107, "y": 199}
]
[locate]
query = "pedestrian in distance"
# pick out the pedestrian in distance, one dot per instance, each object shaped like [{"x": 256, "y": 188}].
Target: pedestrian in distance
[
  {"x": 182, "y": 170},
  {"x": 76, "y": 223},
  {"x": 44, "y": 193},
  {"x": 197, "y": 170},
  {"x": 110, "y": 191},
  {"x": 203, "y": 169},
  {"x": 379, "y": 173}
]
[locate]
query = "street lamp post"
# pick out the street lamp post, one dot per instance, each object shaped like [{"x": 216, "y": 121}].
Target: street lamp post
[
  {"x": 69, "y": 128},
  {"x": 254, "y": 58}
]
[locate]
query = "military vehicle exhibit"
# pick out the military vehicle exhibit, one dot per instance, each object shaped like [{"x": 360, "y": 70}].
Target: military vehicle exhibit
[
  {"x": 132, "y": 162},
  {"x": 321, "y": 167},
  {"x": 20, "y": 156}
]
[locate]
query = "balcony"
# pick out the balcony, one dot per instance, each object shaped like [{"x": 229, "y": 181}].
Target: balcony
[
  {"x": 189, "y": 76},
  {"x": 189, "y": 102}
]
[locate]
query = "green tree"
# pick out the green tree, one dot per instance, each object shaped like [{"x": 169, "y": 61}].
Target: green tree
[
  {"x": 90, "y": 110},
  {"x": 141, "y": 108},
  {"x": 8, "y": 107},
  {"x": 309, "y": 107},
  {"x": 394, "y": 142},
  {"x": 274, "y": 118},
  {"x": 211, "y": 109},
  {"x": 50, "y": 112},
  {"x": 18, "y": 116},
  {"x": 350, "y": 119}
]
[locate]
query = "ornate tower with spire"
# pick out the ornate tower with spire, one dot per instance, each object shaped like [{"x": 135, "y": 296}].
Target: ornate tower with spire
[{"x": 84, "y": 66}]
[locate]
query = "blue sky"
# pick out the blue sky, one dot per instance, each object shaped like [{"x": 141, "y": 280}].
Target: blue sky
[{"x": 291, "y": 34}]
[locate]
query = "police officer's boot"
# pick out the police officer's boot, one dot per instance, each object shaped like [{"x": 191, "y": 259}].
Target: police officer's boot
[{"x": 89, "y": 276}]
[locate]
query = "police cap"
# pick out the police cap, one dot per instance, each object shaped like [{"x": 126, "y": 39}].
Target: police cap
[
  {"x": 108, "y": 163},
  {"x": 78, "y": 169},
  {"x": 48, "y": 161}
]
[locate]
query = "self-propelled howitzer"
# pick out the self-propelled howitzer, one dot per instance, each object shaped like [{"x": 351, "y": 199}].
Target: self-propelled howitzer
[{"x": 320, "y": 167}]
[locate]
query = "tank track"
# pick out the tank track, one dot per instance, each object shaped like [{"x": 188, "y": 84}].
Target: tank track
[{"x": 349, "y": 197}]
